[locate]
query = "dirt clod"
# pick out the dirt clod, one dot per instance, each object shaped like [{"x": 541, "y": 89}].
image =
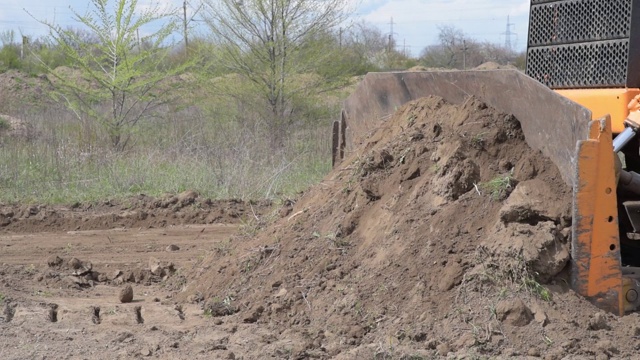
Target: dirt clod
[
  {"x": 95, "y": 315},
  {"x": 599, "y": 322},
  {"x": 8, "y": 311},
  {"x": 514, "y": 312},
  {"x": 138, "y": 314},
  {"x": 172, "y": 247},
  {"x": 52, "y": 314},
  {"x": 54, "y": 261},
  {"x": 126, "y": 294}
]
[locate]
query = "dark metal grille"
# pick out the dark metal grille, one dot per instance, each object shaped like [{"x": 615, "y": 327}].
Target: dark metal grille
[
  {"x": 584, "y": 43},
  {"x": 566, "y": 22},
  {"x": 566, "y": 66}
]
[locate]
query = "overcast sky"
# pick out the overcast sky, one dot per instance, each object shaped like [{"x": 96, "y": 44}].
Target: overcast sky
[{"x": 415, "y": 22}]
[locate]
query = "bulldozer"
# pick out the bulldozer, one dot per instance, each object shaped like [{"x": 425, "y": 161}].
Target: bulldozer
[{"x": 578, "y": 102}]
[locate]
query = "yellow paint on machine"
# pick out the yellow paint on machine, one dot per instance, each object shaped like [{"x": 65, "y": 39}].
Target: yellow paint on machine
[{"x": 604, "y": 101}]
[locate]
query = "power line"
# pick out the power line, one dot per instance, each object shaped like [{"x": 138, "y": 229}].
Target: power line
[{"x": 507, "y": 35}]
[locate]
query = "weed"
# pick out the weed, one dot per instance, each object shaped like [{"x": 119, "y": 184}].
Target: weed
[
  {"x": 222, "y": 248},
  {"x": 30, "y": 270},
  {"x": 42, "y": 293},
  {"x": 535, "y": 288},
  {"x": 498, "y": 187},
  {"x": 411, "y": 119},
  {"x": 338, "y": 242},
  {"x": 112, "y": 311},
  {"x": 478, "y": 141},
  {"x": 2, "y": 297},
  {"x": 403, "y": 155},
  {"x": 4, "y": 124}
]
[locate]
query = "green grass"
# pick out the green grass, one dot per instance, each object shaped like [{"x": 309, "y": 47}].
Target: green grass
[
  {"x": 498, "y": 186},
  {"x": 4, "y": 124},
  {"x": 70, "y": 161}
]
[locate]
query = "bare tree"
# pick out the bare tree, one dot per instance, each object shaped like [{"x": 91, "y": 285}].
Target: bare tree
[
  {"x": 455, "y": 50},
  {"x": 269, "y": 42}
]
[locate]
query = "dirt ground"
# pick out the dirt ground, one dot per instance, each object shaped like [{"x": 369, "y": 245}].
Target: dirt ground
[{"x": 443, "y": 237}]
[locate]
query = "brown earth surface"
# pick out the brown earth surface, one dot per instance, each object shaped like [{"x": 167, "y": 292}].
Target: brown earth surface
[{"x": 443, "y": 236}]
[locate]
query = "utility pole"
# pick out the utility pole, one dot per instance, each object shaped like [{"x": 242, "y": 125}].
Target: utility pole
[
  {"x": 25, "y": 43},
  {"x": 507, "y": 35},
  {"x": 184, "y": 22},
  {"x": 340, "y": 37},
  {"x": 464, "y": 54},
  {"x": 391, "y": 35}
]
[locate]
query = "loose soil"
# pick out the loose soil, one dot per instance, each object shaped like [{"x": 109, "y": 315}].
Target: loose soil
[{"x": 443, "y": 236}]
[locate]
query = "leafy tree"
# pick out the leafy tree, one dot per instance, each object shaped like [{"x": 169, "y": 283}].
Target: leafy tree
[
  {"x": 274, "y": 42},
  {"x": 118, "y": 77}
]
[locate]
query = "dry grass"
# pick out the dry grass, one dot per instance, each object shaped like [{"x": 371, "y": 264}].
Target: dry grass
[{"x": 69, "y": 160}]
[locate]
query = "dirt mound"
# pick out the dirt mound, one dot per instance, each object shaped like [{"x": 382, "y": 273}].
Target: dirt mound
[
  {"x": 490, "y": 65},
  {"x": 434, "y": 238},
  {"x": 16, "y": 128},
  {"x": 136, "y": 212}
]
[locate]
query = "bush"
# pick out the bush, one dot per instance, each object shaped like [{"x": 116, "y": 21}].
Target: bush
[{"x": 4, "y": 124}]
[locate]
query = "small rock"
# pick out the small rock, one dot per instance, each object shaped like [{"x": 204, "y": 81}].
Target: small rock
[
  {"x": 513, "y": 312},
  {"x": 218, "y": 322},
  {"x": 533, "y": 352},
  {"x": 599, "y": 322},
  {"x": 282, "y": 292},
  {"x": 74, "y": 263},
  {"x": 602, "y": 357},
  {"x": 154, "y": 266},
  {"x": 4, "y": 221},
  {"x": 219, "y": 308},
  {"x": 452, "y": 276},
  {"x": 54, "y": 261},
  {"x": 255, "y": 315},
  {"x": 172, "y": 247},
  {"x": 187, "y": 197},
  {"x": 538, "y": 314},
  {"x": 116, "y": 274},
  {"x": 76, "y": 282},
  {"x": 123, "y": 336},
  {"x": 442, "y": 349},
  {"x": 83, "y": 269},
  {"x": 231, "y": 356},
  {"x": 606, "y": 346},
  {"x": 431, "y": 344},
  {"x": 126, "y": 294},
  {"x": 145, "y": 352}
]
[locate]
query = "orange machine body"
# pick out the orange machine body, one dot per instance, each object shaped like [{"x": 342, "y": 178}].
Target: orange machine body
[
  {"x": 597, "y": 273},
  {"x": 613, "y": 102}
]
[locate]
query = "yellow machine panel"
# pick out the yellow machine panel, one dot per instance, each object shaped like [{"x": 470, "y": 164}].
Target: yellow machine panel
[{"x": 603, "y": 102}]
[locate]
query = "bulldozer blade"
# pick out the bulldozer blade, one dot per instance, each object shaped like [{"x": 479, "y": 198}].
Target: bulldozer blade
[
  {"x": 558, "y": 127},
  {"x": 551, "y": 123}
]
